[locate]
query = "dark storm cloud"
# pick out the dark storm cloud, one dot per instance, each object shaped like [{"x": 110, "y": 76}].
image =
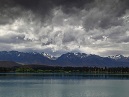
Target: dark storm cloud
[
  {"x": 9, "y": 11},
  {"x": 65, "y": 25},
  {"x": 40, "y": 7},
  {"x": 116, "y": 7},
  {"x": 12, "y": 9},
  {"x": 102, "y": 13},
  {"x": 105, "y": 14},
  {"x": 46, "y": 5}
]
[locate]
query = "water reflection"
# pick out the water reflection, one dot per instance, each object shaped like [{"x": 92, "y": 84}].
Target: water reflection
[
  {"x": 63, "y": 76},
  {"x": 62, "y": 85}
]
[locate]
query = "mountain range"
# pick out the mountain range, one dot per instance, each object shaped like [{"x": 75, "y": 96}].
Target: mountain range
[{"x": 68, "y": 59}]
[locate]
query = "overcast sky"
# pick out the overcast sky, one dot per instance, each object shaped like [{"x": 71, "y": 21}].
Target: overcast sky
[{"x": 58, "y": 26}]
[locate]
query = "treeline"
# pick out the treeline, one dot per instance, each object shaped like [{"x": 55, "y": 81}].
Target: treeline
[{"x": 50, "y": 69}]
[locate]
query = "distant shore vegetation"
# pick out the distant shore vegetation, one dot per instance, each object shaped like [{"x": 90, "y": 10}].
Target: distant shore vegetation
[{"x": 88, "y": 70}]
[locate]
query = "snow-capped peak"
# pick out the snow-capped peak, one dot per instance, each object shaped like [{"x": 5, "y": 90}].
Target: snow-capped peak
[
  {"x": 116, "y": 57},
  {"x": 79, "y": 55},
  {"x": 48, "y": 56},
  {"x": 19, "y": 55}
]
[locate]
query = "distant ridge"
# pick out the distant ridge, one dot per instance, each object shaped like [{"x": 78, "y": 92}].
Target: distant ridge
[
  {"x": 9, "y": 64},
  {"x": 68, "y": 59}
]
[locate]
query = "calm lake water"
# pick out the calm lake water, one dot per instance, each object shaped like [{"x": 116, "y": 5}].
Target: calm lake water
[{"x": 50, "y": 85}]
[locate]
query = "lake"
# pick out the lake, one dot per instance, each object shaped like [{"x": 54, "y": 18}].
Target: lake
[{"x": 63, "y": 85}]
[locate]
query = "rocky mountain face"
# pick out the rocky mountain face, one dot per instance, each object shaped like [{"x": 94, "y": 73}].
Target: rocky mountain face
[{"x": 68, "y": 59}]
